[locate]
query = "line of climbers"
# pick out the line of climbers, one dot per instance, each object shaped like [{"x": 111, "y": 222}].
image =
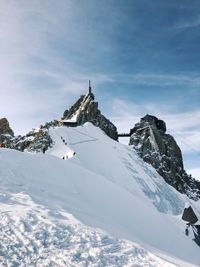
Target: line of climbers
[
  {"x": 66, "y": 156},
  {"x": 63, "y": 140}
]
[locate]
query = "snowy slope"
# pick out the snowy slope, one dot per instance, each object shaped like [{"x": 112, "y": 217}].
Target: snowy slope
[
  {"x": 32, "y": 235},
  {"x": 104, "y": 186}
]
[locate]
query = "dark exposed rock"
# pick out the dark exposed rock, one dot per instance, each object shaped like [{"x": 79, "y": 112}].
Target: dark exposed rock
[
  {"x": 69, "y": 113},
  {"x": 162, "y": 152},
  {"x": 86, "y": 110},
  {"x": 36, "y": 140},
  {"x": 189, "y": 215},
  {"x": 6, "y": 133},
  {"x": 65, "y": 114},
  {"x": 5, "y": 127}
]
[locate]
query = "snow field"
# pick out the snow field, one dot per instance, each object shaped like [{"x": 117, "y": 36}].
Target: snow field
[
  {"x": 31, "y": 235},
  {"x": 105, "y": 186}
]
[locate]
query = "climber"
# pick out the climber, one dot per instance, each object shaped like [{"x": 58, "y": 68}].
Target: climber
[
  {"x": 187, "y": 230},
  {"x": 44, "y": 149},
  {"x": 65, "y": 157}
]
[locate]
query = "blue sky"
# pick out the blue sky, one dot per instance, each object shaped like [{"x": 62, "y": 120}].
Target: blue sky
[{"x": 142, "y": 57}]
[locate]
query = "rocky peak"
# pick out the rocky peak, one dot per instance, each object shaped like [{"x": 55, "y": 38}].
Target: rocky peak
[
  {"x": 86, "y": 110},
  {"x": 160, "y": 149},
  {"x": 36, "y": 139},
  {"x": 154, "y": 122},
  {"x": 6, "y": 133},
  {"x": 5, "y": 127}
]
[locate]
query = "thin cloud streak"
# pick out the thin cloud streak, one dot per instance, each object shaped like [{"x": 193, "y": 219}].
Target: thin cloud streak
[
  {"x": 159, "y": 79},
  {"x": 189, "y": 24}
]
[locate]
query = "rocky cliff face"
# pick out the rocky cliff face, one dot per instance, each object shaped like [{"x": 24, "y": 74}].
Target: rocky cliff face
[
  {"x": 5, "y": 127},
  {"x": 162, "y": 152},
  {"x": 6, "y": 133},
  {"x": 37, "y": 139},
  {"x": 34, "y": 141},
  {"x": 86, "y": 110}
]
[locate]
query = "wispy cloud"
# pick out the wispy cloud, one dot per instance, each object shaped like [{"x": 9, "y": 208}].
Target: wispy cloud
[
  {"x": 161, "y": 79},
  {"x": 42, "y": 45},
  {"x": 189, "y": 24}
]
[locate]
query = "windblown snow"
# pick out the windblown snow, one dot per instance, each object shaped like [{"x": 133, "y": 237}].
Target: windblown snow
[{"x": 100, "y": 206}]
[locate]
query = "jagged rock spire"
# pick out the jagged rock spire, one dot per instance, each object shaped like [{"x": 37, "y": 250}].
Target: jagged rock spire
[
  {"x": 86, "y": 110},
  {"x": 160, "y": 149}
]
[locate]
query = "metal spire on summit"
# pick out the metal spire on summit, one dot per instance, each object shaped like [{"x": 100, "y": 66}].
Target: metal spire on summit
[{"x": 90, "y": 88}]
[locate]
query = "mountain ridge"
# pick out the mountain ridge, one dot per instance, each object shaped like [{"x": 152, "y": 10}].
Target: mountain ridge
[{"x": 148, "y": 137}]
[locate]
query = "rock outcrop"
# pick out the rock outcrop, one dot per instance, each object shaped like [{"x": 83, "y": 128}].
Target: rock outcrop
[
  {"x": 6, "y": 133},
  {"x": 162, "y": 152},
  {"x": 37, "y": 139},
  {"x": 86, "y": 110},
  {"x": 5, "y": 127}
]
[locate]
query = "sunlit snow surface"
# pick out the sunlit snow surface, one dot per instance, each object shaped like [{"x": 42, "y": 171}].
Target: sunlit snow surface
[
  {"x": 104, "y": 186},
  {"x": 34, "y": 236}
]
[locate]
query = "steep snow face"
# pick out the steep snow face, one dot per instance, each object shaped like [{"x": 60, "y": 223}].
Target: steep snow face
[
  {"x": 104, "y": 185},
  {"x": 117, "y": 163}
]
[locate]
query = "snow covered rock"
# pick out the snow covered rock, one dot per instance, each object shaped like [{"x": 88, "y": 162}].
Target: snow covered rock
[
  {"x": 162, "y": 152},
  {"x": 86, "y": 110},
  {"x": 35, "y": 140}
]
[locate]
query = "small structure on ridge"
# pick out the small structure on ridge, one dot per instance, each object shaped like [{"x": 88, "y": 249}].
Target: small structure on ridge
[{"x": 85, "y": 110}]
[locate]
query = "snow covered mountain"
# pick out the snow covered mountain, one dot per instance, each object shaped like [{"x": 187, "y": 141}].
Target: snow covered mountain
[
  {"x": 100, "y": 206},
  {"x": 148, "y": 138}
]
